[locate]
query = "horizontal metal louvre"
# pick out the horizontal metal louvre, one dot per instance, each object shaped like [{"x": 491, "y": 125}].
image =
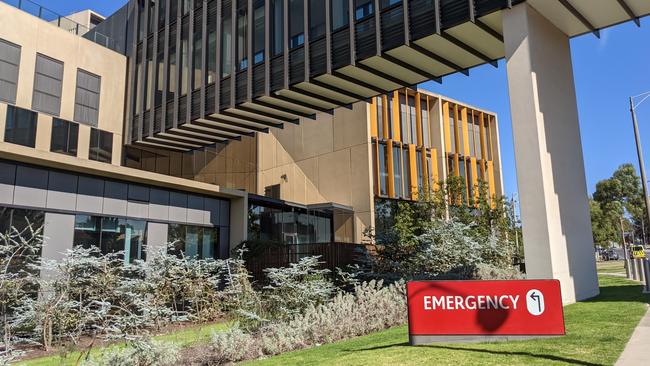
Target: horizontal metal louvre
[
  {"x": 277, "y": 73},
  {"x": 392, "y": 28},
  {"x": 341, "y": 48},
  {"x": 484, "y": 7},
  {"x": 146, "y": 123},
  {"x": 422, "y": 18},
  {"x": 196, "y": 104},
  {"x": 157, "y": 119},
  {"x": 454, "y": 12},
  {"x": 182, "y": 109},
  {"x": 296, "y": 65},
  {"x": 224, "y": 96},
  {"x": 241, "y": 84},
  {"x": 365, "y": 38},
  {"x": 258, "y": 80},
  {"x": 317, "y": 57},
  {"x": 210, "y": 91},
  {"x": 169, "y": 115}
]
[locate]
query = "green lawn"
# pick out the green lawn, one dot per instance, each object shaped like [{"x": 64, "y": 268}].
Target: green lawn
[
  {"x": 183, "y": 337},
  {"x": 608, "y": 267},
  {"x": 597, "y": 331}
]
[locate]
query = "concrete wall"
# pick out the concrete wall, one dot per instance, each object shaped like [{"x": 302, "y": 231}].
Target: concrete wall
[
  {"x": 38, "y": 36},
  {"x": 322, "y": 160}
]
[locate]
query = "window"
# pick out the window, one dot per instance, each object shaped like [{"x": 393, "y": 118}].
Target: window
[
  {"x": 383, "y": 4},
  {"x": 363, "y": 9},
  {"x": 340, "y": 14},
  {"x": 277, "y": 27},
  {"x": 488, "y": 138},
  {"x": 47, "y": 85},
  {"x": 419, "y": 169},
  {"x": 380, "y": 117},
  {"x": 64, "y": 137},
  {"x": 171, "y": 71},
  {"x": 397, "y": 169},
  {"x": 197, "y": 58},
  {"x": 258, "y": 33},
  {"x": 184, "y": 59},
  {"x": 470, "y": 135},
  {"x": 424, "y": 115},
  {"x": 296, "y": 23},
  {"x": 389, "y": 115},
  {"x": 383, "y": 170},
  {"x": 86, "y": 103},
  {"x": 111, "y": 235},
  {"x": 9, "y": 64},
  {"x": 403, "y": 119},
  {"x": 194, "y": 241},
  {"x": 226, "y": 42},
  {"x": 452, "y": 129},
  {"x": 20, "y": 219},
  {"x": 316, "y": 19},
  {"x": 20, "y": 126},
  {"x": 101, "y": 145},
  {"x": 406, "y": 173},
  {"x": 242, "y": 35},
  {"x": 272, "y": 191},
  {"x": 412, "y": 121},
  {"x": 477, "y": 138},
  {"x": 212, "y": 41}
]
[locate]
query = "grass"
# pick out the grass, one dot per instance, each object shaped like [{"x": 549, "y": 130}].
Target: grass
[
  {"x": 611, "y": 267},
  {"x": 597, "y": 331},
  {"x": 182, "y": 337}
]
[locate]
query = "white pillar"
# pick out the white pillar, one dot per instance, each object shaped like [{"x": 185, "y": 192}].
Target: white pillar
[
  {"x": 58, "y": 237},
  {"x": 558, "y": 241}
]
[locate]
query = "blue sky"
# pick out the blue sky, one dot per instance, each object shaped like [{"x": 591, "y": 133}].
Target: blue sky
[{"x": 606, "y": 70}]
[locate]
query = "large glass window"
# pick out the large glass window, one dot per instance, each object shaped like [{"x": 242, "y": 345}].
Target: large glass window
[
  {"x": 171, "y": 71},
  {"x": 197, "y": 58},
  {"x": 9, "y": 64},
  {"x": 258, "y": 32},
  {"x": 296, "y": 23},
  {"x": 419, "y": 170},
  {"x": 212, "y": 41},
  {"x": 242, "y": 35},
  {"x": 412, "y": 121},
  {"x": 194, "y": 241},
  {"x": 20, "y": 126},
  {"x": 403, "y": 119},
  {"x": 316, "y": 18},
  {"x": 184, "y": 59},
  {"x": 112, "y": 235},
  {"x": 226, "y": 42},
  {"x": 86, "y": 104},
  {"x": 397, "y": 169},
  {"x": 452, "y": 129},
  {"x": 65, "y": 135},
  {"x": 288, "y": 225},
  {"x": 47, "y": 85},
  {"x": 380, "y": 117},
  {"x": 20, "y": 219},
  {"x": 406, "y": 173},
  {"x": 363, "y": 9},
  {"x": 424, "y": 115},
  {"x": 101, "y": 145},
  {"x": 277, "y": 27},
  {"x": 340, "y": 14},
  {"x": 383, "y": 170}
]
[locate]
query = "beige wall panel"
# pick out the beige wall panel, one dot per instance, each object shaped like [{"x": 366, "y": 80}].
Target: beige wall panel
[
  {"x": 3, "y": 120},
  {"x": 334, "y": 174},
  {"x": 43, "y": 132},
  {"x": 361, "y": 178},
  {"x": 83, "y": 144},
  {"x": 362, "y": 220},
  {"x": 351, "y": 127}
]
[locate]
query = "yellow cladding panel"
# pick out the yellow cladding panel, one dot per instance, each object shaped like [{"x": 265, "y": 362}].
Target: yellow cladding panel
[
  {"x": 418, "y": 118},
  {"x": 373, "y": 117},
  {"x": 491, "y": 179},
  {"x": 425, "y": 169},
  {"x": 396, "y": 113},
  {"x": 414, "y": 172},
  {"x": 391, "y": 178},
  {"x": 465, "y": 147},
  {"x": 445, "y": 125}
]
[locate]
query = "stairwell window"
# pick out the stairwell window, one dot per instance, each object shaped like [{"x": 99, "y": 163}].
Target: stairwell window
[{"x": 101, "y": 146}]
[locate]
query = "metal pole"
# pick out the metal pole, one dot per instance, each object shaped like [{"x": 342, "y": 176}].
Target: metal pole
[{"x": 639, "y": 152}]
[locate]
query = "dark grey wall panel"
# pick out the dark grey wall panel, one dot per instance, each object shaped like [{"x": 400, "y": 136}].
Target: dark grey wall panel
[
  {"x": 31, "y": 187},
  {"x": 62, "y": 191},
  {"x": 7, "y": 181}
]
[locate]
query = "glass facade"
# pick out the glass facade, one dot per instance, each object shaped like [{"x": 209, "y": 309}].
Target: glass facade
[
  {"x": 20, "y": 126},
  {"x": 101, "y": 146},
  {"x": 112, "y": 235},
  {"x": 65, "y": 135},
  {"x": 194, "y": 241}
]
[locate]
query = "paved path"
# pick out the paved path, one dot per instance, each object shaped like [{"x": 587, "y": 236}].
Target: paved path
[{"x": 636, "y": 351}]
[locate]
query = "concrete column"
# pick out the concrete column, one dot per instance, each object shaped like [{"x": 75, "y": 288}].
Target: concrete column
[
  {"x": 550, "y": 169},
  {"x": 58, "y": 233},
  {"x": 157, "y": 237}
]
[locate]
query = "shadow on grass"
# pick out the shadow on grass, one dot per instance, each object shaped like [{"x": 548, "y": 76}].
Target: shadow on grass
[
  {"x": 480, "y": 350},
  {"x": 623, "y": 293}
]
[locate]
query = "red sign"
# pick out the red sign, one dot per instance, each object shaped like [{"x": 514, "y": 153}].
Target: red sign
[{"x": 521, "y": 307}]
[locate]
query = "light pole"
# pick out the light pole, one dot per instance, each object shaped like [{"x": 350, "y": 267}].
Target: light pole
[{"x": 639, "y": 151}]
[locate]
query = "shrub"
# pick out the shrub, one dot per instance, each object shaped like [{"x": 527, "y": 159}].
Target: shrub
[{"x": 138, "y": 353}]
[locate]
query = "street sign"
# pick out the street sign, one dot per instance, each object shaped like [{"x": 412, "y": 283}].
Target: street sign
[{"x": 519, "y": 307}]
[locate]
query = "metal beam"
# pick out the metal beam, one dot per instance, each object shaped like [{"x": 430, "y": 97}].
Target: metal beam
[
  {"x": 439, "y": 59},
  {"x": 580, "y": 17},
  {"x": 630, "y": 12},
  {"x": 165, "y": 141},
  {"x": 290, "y": 111},
  {"x": 411, "y": 68},
  {"x": 235, "y": 124},
  {"x": 250, "y": 119},
  {"x": 337, "y": 90},
  {"x": 182, "y": 139},
  {"x": 201, "y": 134},
  {"x": 296, "y": 102},
  {"x": 486, "y": 28},
  {"x": 469, "y": 48},
  {"x": 193, "y": 127},
  {"x": 317, "y": 97},
  {"x": 268, "y": 114},
  {"x": 362, "y": 83},
  {"x": 159, "y": 146},
  {"x": 383, "y": 75}
]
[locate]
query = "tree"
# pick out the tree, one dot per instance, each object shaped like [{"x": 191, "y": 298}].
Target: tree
[{"x": 618, "y": 196}]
